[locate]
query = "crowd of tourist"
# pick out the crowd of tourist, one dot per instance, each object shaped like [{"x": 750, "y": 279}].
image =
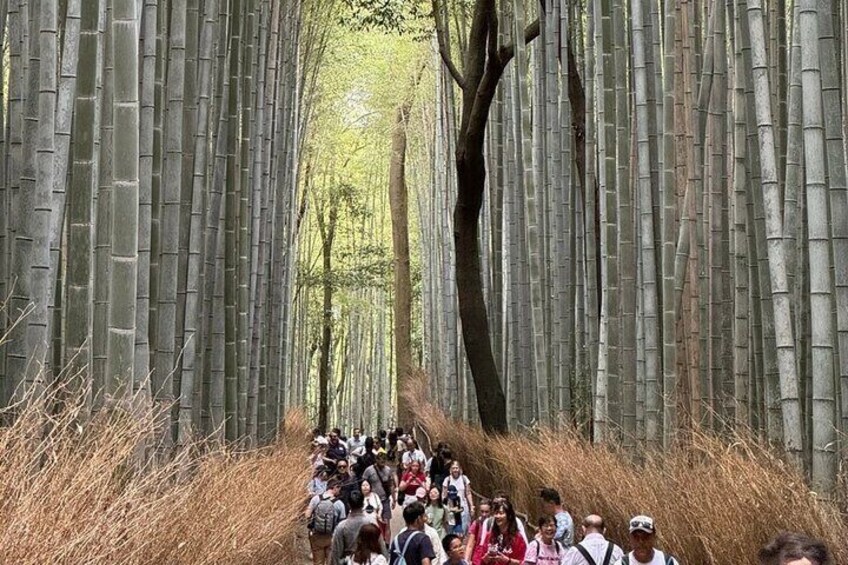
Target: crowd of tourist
[{"x": 358, "y": 481}]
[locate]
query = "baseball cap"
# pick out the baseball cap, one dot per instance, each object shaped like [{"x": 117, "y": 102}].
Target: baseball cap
[
  {"x": 321, "y": 441},
  {"x": 642, "y": 523},
  {"x": 421, "y": 493}
]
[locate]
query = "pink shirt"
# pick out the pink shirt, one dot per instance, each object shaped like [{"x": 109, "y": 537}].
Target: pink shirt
[{"x": 541, "y": 554}]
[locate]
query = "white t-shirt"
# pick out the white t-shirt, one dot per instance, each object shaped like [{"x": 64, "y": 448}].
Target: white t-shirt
[
  {"x": 376, "y": 505},
  {"x": 596, "y": 545},
  {"x": 436, "y": 541},
  {"x": 375, "y": 559},
  {"x": 410, "y": 456},
  {"x": 356, "y": 447},
  {"x": 659, "y": 559},
  {"x": 461, "y": 484}
]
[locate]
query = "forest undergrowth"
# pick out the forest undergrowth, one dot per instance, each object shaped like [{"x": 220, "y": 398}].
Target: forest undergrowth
[
  {"x": 87, "y": 489},
  {"x": 716, "y": 501}
]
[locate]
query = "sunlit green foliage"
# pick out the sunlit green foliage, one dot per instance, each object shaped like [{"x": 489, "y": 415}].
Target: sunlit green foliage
[
  {"x": 368, "y": 68},
  {"x": 390, "y": 16}
]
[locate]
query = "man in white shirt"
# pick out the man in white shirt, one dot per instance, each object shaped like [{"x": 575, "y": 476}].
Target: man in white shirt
[
  {"x": 412, "y": 453},
  {"x": 595, "y": 549},
  {"x": 643, "y": 536},
  {"x": 356, "y": 445}
]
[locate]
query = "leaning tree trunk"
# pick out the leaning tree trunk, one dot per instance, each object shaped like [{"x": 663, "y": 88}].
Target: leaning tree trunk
[{"x": 484, "y": 66}]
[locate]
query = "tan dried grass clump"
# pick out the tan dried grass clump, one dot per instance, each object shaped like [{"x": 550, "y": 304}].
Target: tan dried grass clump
[
  {"x": 715, "y": 502},
  {"x": 85, "y": 490}
]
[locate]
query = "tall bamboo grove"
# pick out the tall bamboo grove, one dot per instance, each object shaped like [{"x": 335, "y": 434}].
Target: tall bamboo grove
[
  {"x": 148, "y": 189},
  {"x": 664, "y": 222}
]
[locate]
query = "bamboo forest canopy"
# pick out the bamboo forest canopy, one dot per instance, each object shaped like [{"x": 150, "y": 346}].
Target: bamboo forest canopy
[{"x": 627, "y": 217}]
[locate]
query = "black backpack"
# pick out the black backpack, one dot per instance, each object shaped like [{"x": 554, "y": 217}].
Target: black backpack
[
  {"x": 607, "y": 557},
  {"x": 557, "y": 545}
]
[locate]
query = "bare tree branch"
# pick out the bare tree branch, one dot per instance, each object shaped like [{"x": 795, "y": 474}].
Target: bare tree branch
[
  {"x": 507, "y": 52},
  {"x": 443, "y": 47},
  {"x": 493, "y": 35}
]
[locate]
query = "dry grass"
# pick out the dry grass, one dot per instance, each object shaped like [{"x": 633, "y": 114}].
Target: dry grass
[
  {"x": 76, "y": 490},
  {"x": 715, "y": 502}
]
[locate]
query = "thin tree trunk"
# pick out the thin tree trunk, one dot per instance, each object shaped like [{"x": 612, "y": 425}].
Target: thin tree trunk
[
  {"x": 85, "y": 132},
  {"x": 328, "y": 234},
  {"x": 125, "y": 144},
  {"x": 790, "y": 404},
  {"x": 165, "y": 357},
  {"x": 400, "y": 244},
  {"x": 653, "y": 396},
  {"x": 821, "y": 290}
]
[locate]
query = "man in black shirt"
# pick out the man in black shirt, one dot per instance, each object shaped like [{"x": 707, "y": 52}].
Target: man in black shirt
[
  {"x": 336, "y": 450},
  {"x": 412, "y": 543}
]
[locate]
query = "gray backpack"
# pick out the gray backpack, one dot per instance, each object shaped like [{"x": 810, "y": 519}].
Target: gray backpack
[{"x": 324, "y": 518}]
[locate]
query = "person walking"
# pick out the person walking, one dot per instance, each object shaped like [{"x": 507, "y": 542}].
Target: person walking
[
  {"x": 369, "y": 548},
  {"x": 505, "y": 546},
  {"x": 412, "y": 544},
  {"x": 356, "y": 445},
  {"x": 347, "y": 532},
  {"x": 545, "y": 549},
  {"x": 349, "y": 482},
  {"x": 643, "y": 537},
  {"x": 552, "y": 505},
  {"x": 594, "y": 549},
  {"x": 475, "y": 546},
  {"x": 336, "y": 450},
  {"x": 373, "y": 507},
  {"x": 367, "y": 457},
  {"x": 412, "y": 480},
  {"x": 324, "y": 513},
  {"x": 486, "y": 526},
  {"x": 318, "y": 484},
  {"x": 454, "y": 549},
  {"x": 440, "y": 463},
  {"x": 412, "y": 453},
  {"x": 436, "y": 515},
  {"x": 382, "y": 481},
  {"x": 456, "y": 490},
  {"x": 791, "y": 548}
]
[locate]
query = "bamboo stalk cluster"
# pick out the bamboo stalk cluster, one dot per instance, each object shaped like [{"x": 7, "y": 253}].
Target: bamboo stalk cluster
[
  {"x": 664, "y": 225},
  {"x": 148, "y": 203}
]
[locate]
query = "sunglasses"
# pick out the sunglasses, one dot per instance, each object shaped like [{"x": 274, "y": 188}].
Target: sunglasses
[{"x": 642, "y": 524}]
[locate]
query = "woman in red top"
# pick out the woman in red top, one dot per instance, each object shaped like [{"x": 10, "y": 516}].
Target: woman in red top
[
  {"x": 505, "y": 545},
  {"x": 413, "y": 479}
]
